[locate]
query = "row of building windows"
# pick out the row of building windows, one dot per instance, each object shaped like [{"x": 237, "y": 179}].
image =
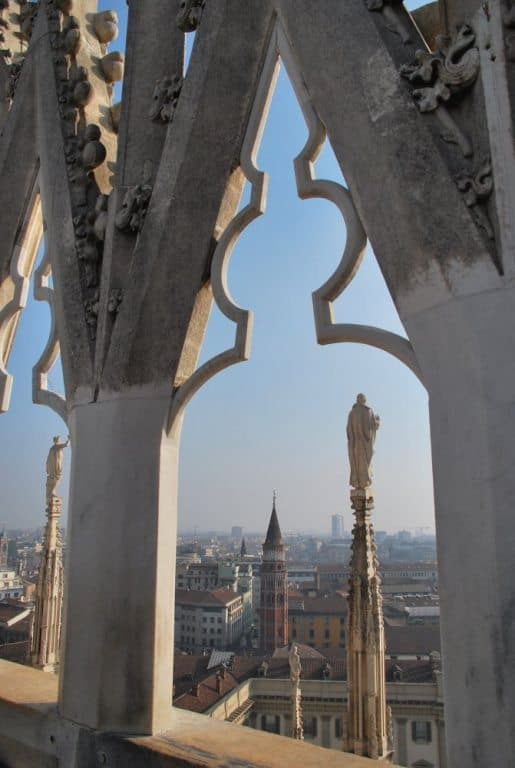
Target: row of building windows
[{"x": 420, "y": 729}]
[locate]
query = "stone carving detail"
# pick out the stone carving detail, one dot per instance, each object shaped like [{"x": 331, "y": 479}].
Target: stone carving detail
[
  {"x": 476, "y": 189},
  {"x": 112, "y": 66},
  {"x": 54, "y": 467},
  {"x": 294, "y": 663},
  {"x": 105, "y": 25},
  {"x": 91, "y": 307},
  {"x": 165, "y": 98},
  {"x": 392, "y": 10},
  {"x": 445, "y": 73},
  {"x": 114, "y": 301},
  {"x": 362, "y": 426},
  {"x": 190, "y": 14},
  {"x": 26, "y": 18},
  {"x": 131, "y": 216},
  {"x": 443, "y": 76},
  {"x": 509, "y": 23},
  {"x": 84, "y": 150}
]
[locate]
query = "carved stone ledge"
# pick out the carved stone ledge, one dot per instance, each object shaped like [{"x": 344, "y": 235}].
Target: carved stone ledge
[{"x": 190, "y": 14}]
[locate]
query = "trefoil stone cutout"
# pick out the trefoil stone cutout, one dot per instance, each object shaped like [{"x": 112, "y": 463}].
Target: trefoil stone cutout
[
  {"x": 190, "y": 14},
  {"x": 476, "y": 189},
  {"x": 165, "y": 98},
  {"x": 391, "y": 11}
]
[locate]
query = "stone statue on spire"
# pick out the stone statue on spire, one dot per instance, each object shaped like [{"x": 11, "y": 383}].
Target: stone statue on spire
[
  {"x": 362, "y": 426},
  {"x": 54, "y": 467}
]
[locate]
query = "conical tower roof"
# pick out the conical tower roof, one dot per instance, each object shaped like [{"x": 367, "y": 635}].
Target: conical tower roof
[{"x": 273, "y": 534}]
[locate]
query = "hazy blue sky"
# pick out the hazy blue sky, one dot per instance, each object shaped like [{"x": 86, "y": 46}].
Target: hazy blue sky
[{"x": 279, "y": 420}]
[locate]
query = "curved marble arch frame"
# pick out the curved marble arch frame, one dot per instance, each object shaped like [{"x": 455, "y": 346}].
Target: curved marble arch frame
[
  {"x": 327, "y": 331},
  {"x": 22, "y": 265},
  {"x": 41, "y": 394}
]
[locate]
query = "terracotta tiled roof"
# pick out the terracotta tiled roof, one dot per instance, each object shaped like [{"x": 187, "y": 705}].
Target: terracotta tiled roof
[
  {"x": 411, "y": 671},
  {"x": 416, "y": 639},
  {"x": 203, "y": 695}
]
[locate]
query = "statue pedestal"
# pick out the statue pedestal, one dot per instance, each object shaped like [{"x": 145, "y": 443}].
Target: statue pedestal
[{"x": 366, "y": 709}]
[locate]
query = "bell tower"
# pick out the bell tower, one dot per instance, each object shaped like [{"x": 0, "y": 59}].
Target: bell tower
[{"x": 274, "y": 591}]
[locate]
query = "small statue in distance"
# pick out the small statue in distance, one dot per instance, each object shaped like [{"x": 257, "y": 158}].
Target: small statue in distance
[
  {"x": 295, "y": 665},
  {"x": 362, "y": 426},
  {"x": 54, "y": 467}
]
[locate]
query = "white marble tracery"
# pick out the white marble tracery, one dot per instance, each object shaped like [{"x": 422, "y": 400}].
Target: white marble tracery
[
  {"x": 328, "y": 332},
  {"x": 22, "y": 264},
  {"x": 41, "y": 394}
]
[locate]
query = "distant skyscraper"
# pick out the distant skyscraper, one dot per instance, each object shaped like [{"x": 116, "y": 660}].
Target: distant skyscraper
[
  {"x": 237, "y": 533},
  {"x": 274, "y": 590},
  {"x": 337, "y": 526},
  {"x": 243, "y": 548},
  {"x": 3, "y": 550}
]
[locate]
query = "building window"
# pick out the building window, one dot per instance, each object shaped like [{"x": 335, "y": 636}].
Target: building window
[
  {"x": 310, "y": 727},
  {"x": 311, "y": 634},
  {"x": 271, "y": 723},
  {"x": 338, "y": 728},
  {"x": 294, "y": 633},
  {"x": 421, "y": 731},
  {"x": 326, "y": 634}
]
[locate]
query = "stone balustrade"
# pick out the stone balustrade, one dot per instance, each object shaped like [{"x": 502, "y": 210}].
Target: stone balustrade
[{"x": 33, "y": 735}]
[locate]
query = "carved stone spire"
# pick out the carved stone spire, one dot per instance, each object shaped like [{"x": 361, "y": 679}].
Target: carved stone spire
[
  {"x": 46, "y": 628},
  {"x": 366, "y": 708}
]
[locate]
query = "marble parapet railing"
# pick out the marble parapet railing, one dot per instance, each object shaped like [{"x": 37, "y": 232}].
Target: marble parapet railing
[{"x": 33, "y": 735}]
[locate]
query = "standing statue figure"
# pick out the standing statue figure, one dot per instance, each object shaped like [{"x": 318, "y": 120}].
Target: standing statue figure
[
  {"x": 295, "y": 665},
  {"x": 54, "y": 467},
  {"x": 362, "y": 426}
]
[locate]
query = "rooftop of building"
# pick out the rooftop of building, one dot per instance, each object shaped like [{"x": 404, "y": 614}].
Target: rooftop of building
[
  {"x": 334, "y": 605},
  {"x": 414, "y": 639},
  {"x": 197, "y": 687},
  {"x": 215, "y": 597},
  {"x": 12, "y": 612}
]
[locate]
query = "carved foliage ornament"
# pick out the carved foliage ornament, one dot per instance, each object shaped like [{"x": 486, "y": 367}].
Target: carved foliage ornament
[
  {"x": 441, "y": 75},
  {"x": 476, "y": 189},
  {"x": 165, "y": 98},
  {"x": 190, "y": 14},
  {"x": 84, "y": 152}
]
